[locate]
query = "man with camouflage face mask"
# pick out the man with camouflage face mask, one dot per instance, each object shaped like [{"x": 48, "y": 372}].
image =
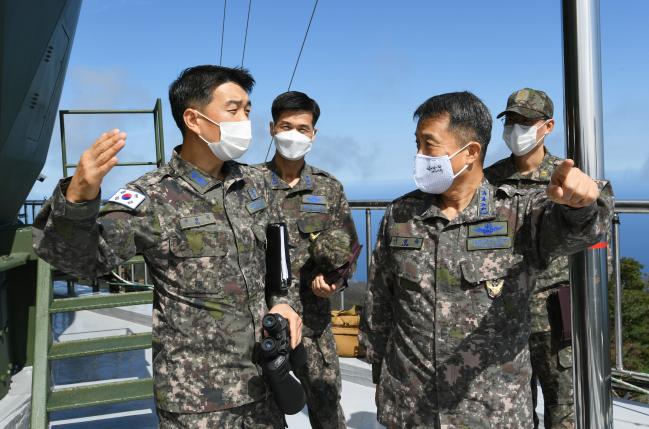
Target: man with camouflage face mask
[{"x": 528, "y": 120}]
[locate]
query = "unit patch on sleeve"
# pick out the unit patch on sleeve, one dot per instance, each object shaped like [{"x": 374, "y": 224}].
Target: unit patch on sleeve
[{"x": 128, "y": 198}]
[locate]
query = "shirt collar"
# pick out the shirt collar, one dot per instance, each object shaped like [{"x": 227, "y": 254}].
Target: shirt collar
[
  {"x": 305, "y": 183},
  {"x": 198, "y": 179},
  {"x": 542, "y": 173},
  {"x": 481, "y": 207}
]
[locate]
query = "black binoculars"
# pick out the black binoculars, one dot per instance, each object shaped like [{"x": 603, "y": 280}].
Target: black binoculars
[{"x": 278, "y": 362}]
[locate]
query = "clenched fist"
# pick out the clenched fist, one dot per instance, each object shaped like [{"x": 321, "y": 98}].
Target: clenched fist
[
  {"x": 572, "y": 187},
  {"x": 94, "y": 164}
]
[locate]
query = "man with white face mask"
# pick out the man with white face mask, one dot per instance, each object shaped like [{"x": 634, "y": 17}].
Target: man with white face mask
[
  {"x": 528, "y": 120},
  {"x": 310, "y": 201},
  {"x": 199, "y": 222},
  {"x": 447, "y": 315}
]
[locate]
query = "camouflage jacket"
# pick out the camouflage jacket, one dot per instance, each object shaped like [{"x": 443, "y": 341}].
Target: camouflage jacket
[
  {"x": 315, "y": 204},
  {"x": 203, "y": 241},
  {"x": 447, "y": 311},
  {"x": 505, "y": 172}
]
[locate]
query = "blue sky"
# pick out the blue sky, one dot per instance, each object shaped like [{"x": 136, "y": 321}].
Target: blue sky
[{"x": 369, "y": 64}]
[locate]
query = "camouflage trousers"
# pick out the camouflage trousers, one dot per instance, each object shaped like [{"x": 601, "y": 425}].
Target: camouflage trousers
[
  {"x": 257, "y": 415},
  {"x": 320, "y": 378},
  {"x": 552, "y": 367}
]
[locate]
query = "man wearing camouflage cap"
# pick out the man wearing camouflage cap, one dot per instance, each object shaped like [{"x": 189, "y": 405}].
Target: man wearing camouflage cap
[
  {"x": 311, "y": 202},
  {"x": 528, "y": 120},
  {"x": 447, "y": 313}
]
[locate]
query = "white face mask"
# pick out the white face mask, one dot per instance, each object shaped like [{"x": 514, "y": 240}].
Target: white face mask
[
  {"x": 434, "y": 174},
  {"x": 521, "y": 139},
  {"x": 235, "y": 139},
  {"x": 292, "y": 145}
]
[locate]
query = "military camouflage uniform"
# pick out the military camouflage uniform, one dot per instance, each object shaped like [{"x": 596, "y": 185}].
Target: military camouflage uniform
[
  {"x": 203, "y": 241},
  {"x": 447, "y": 311},
  {"x": 551, "y": 358},
  {"x": 317, "y": 203}
]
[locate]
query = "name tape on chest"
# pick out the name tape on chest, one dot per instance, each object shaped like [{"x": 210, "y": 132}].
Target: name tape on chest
[
  {"x": 486, "y": 229},
  {"x": 197, "y": 220},
  {"x": 128, "y": 198},
  {"x": 313, "y": 208},
  {"x": 406, "y": 242},
  {"x": 255, "y": 206},
  {"x": 489, "y": 243},
  {"x": 314, "y": 199},
  {"x": 308, "y": 226}
]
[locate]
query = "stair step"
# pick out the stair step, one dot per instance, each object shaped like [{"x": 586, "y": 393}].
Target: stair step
[
  {"x": 90, "y": 302},
  {"x": 100, "y": 394},
  {"x": 96, "y": 346}
]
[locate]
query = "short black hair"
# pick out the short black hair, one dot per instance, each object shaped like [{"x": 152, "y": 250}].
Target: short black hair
[
  {"x": 469, "y": 118},
  {"x": 194, "y": 87},
  {"x": 294, "y": 100}
]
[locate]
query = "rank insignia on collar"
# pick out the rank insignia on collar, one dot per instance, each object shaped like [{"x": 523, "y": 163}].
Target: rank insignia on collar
[
  {"x": 198, "y": 178},
  {"x": 274, "y": 180},
  {"x": 253, "y": 193},
  {"x": 483, "y": 199},
  {"x": 494, "y": 287},
  {"x": 308, "y": 181}
]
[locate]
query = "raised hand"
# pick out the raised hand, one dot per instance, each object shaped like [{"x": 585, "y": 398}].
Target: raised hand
[
  {"x": 94, "y": 164},
  {"x": 572, "y": 187}
]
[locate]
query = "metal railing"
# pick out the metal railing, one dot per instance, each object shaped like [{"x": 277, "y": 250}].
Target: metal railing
[
  {"x": 623, "y": 207},
  {"x": 157, "y": 128},
  {"x": 31, "y": 207}
]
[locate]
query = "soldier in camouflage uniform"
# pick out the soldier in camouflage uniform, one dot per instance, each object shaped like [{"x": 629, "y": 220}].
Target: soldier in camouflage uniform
[
  {"x": 309, "y": 201},
  {"x": 528, "y": 119},
  {"x": 447, "y": 312},
  {"x": 199, "y": 222}
]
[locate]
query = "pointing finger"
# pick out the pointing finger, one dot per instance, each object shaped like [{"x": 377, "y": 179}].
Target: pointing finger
[{"x": 561, "y": 172}]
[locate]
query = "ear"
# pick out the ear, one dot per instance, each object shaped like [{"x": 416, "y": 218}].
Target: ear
[
  {"x": 271, "y": 125},
  {"x": 315, "y": 131},
  {"x": 550, "y": 125},
  {"x": 473, "y": 152},
  {"x": 191, "y": 122}
]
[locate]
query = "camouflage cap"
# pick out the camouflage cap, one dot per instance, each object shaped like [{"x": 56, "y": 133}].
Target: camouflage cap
[
  {"x": 330, "y": 249},
  {"x": 530, "y": 103}
]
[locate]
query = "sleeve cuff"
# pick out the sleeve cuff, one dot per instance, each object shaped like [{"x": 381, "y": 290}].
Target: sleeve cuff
[{"x": 75, "y": 211}]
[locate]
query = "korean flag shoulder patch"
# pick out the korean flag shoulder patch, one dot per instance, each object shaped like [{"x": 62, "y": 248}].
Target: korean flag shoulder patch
[{"x": 128, "y": 198}]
